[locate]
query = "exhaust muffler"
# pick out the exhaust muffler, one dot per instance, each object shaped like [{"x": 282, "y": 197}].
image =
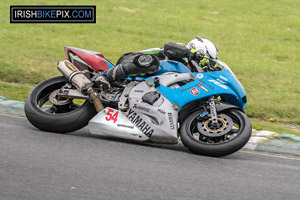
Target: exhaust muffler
[{"x": 80, "y": 81}]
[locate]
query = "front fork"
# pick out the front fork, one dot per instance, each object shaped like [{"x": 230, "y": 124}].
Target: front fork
[{"x": 213, "y": 111}]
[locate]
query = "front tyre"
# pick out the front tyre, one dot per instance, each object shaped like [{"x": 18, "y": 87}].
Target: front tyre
[
  {"x": 201, "y": 137},
  {"x": 67, "y": 117}
]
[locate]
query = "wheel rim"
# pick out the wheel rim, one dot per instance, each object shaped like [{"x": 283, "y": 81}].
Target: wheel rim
[
  {"x": 201, "y": 130},
  {"x": 48, "y": 101}
]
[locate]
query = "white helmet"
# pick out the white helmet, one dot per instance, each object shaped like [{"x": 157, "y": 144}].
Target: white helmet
[{"x": 204, "y": 45}]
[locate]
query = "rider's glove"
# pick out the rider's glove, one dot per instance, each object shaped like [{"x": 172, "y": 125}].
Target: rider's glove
[
  {"x": 218, "y": 67},
  {"x": 203, "y": 59},
  {"x": 200, "y": 57}
]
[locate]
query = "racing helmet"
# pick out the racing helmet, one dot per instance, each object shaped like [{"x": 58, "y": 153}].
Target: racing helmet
[{"x": 202, "y": 44}]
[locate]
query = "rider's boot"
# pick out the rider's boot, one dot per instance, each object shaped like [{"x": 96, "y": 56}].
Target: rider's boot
[
  {"x": 105, "y": 78},
  {"x": 102, "y": 82}
]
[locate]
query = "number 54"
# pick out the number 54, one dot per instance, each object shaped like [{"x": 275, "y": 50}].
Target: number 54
[{"x": 112, "y": 116}]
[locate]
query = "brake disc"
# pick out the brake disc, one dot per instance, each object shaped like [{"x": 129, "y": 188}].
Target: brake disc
[{"x": 206, "y": 128}]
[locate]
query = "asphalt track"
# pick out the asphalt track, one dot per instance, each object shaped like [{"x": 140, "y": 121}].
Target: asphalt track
[{"x": 42, "y": 165}]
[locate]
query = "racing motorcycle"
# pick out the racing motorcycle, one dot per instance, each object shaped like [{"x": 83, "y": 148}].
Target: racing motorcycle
[{"x": 203, "y": 108}]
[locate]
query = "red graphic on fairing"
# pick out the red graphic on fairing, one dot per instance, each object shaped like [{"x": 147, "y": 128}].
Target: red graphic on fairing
[
  {"x": 202, "y": 87},
  {"x": 94, "y": 59},
  {"x": 195, "y": 91}
]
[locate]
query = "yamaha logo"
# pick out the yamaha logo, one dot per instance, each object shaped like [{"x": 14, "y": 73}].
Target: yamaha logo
[
  {"x": 140, "y": 123},
  {"x": 200, "y": 75}
]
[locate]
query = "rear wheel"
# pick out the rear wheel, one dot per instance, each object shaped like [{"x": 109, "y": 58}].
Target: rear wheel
[
  {"x": 202, "y": 137},
  {"x": 46, "y": 111}
]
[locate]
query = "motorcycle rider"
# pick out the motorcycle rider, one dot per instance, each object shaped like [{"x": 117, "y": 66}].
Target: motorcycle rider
[{"x": 147, "y": 61}]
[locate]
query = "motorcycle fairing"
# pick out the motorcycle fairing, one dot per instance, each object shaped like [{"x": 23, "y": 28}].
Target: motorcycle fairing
[
  {"x": 142, "y": 121},
  {"x": 158, "y": 121},
  {"x": 118, "y": 126},
  {"x": 207, "y": 84},
  {"x": 95, "y": 59},
  {"x": 170, "y": 66}
]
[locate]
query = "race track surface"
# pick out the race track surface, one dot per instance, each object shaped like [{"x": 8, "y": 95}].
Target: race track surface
[{"x": 41, "y": 165}]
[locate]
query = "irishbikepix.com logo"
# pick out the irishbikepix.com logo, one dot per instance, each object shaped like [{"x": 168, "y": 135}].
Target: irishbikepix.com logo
[{"x": 52, "y": 14}]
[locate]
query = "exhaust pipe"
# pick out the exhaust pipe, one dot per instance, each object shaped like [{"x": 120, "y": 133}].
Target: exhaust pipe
[{"x": 80, "y": 81}]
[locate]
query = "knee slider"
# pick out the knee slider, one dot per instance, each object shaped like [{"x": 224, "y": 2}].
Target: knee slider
[{"x": 146, "y": 60}]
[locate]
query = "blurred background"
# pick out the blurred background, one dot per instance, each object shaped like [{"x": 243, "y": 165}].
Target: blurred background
[{"x": 259, "y": 40}]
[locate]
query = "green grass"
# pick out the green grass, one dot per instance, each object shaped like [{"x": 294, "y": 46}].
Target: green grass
[
  {"x": 277, "y": 127},
  {"x": 15, "y": 91},
  {"x": 259, "y": 40}
]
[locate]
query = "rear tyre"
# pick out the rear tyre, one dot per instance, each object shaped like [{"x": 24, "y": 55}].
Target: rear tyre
[
  {"x": 200, "y": 139},
  {"x": 63, "y": 118}
]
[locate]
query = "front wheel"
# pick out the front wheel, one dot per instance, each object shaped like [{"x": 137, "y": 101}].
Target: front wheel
[
  {"x": 46, "y": 111},
  {"x": 202, "y": 137}
]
